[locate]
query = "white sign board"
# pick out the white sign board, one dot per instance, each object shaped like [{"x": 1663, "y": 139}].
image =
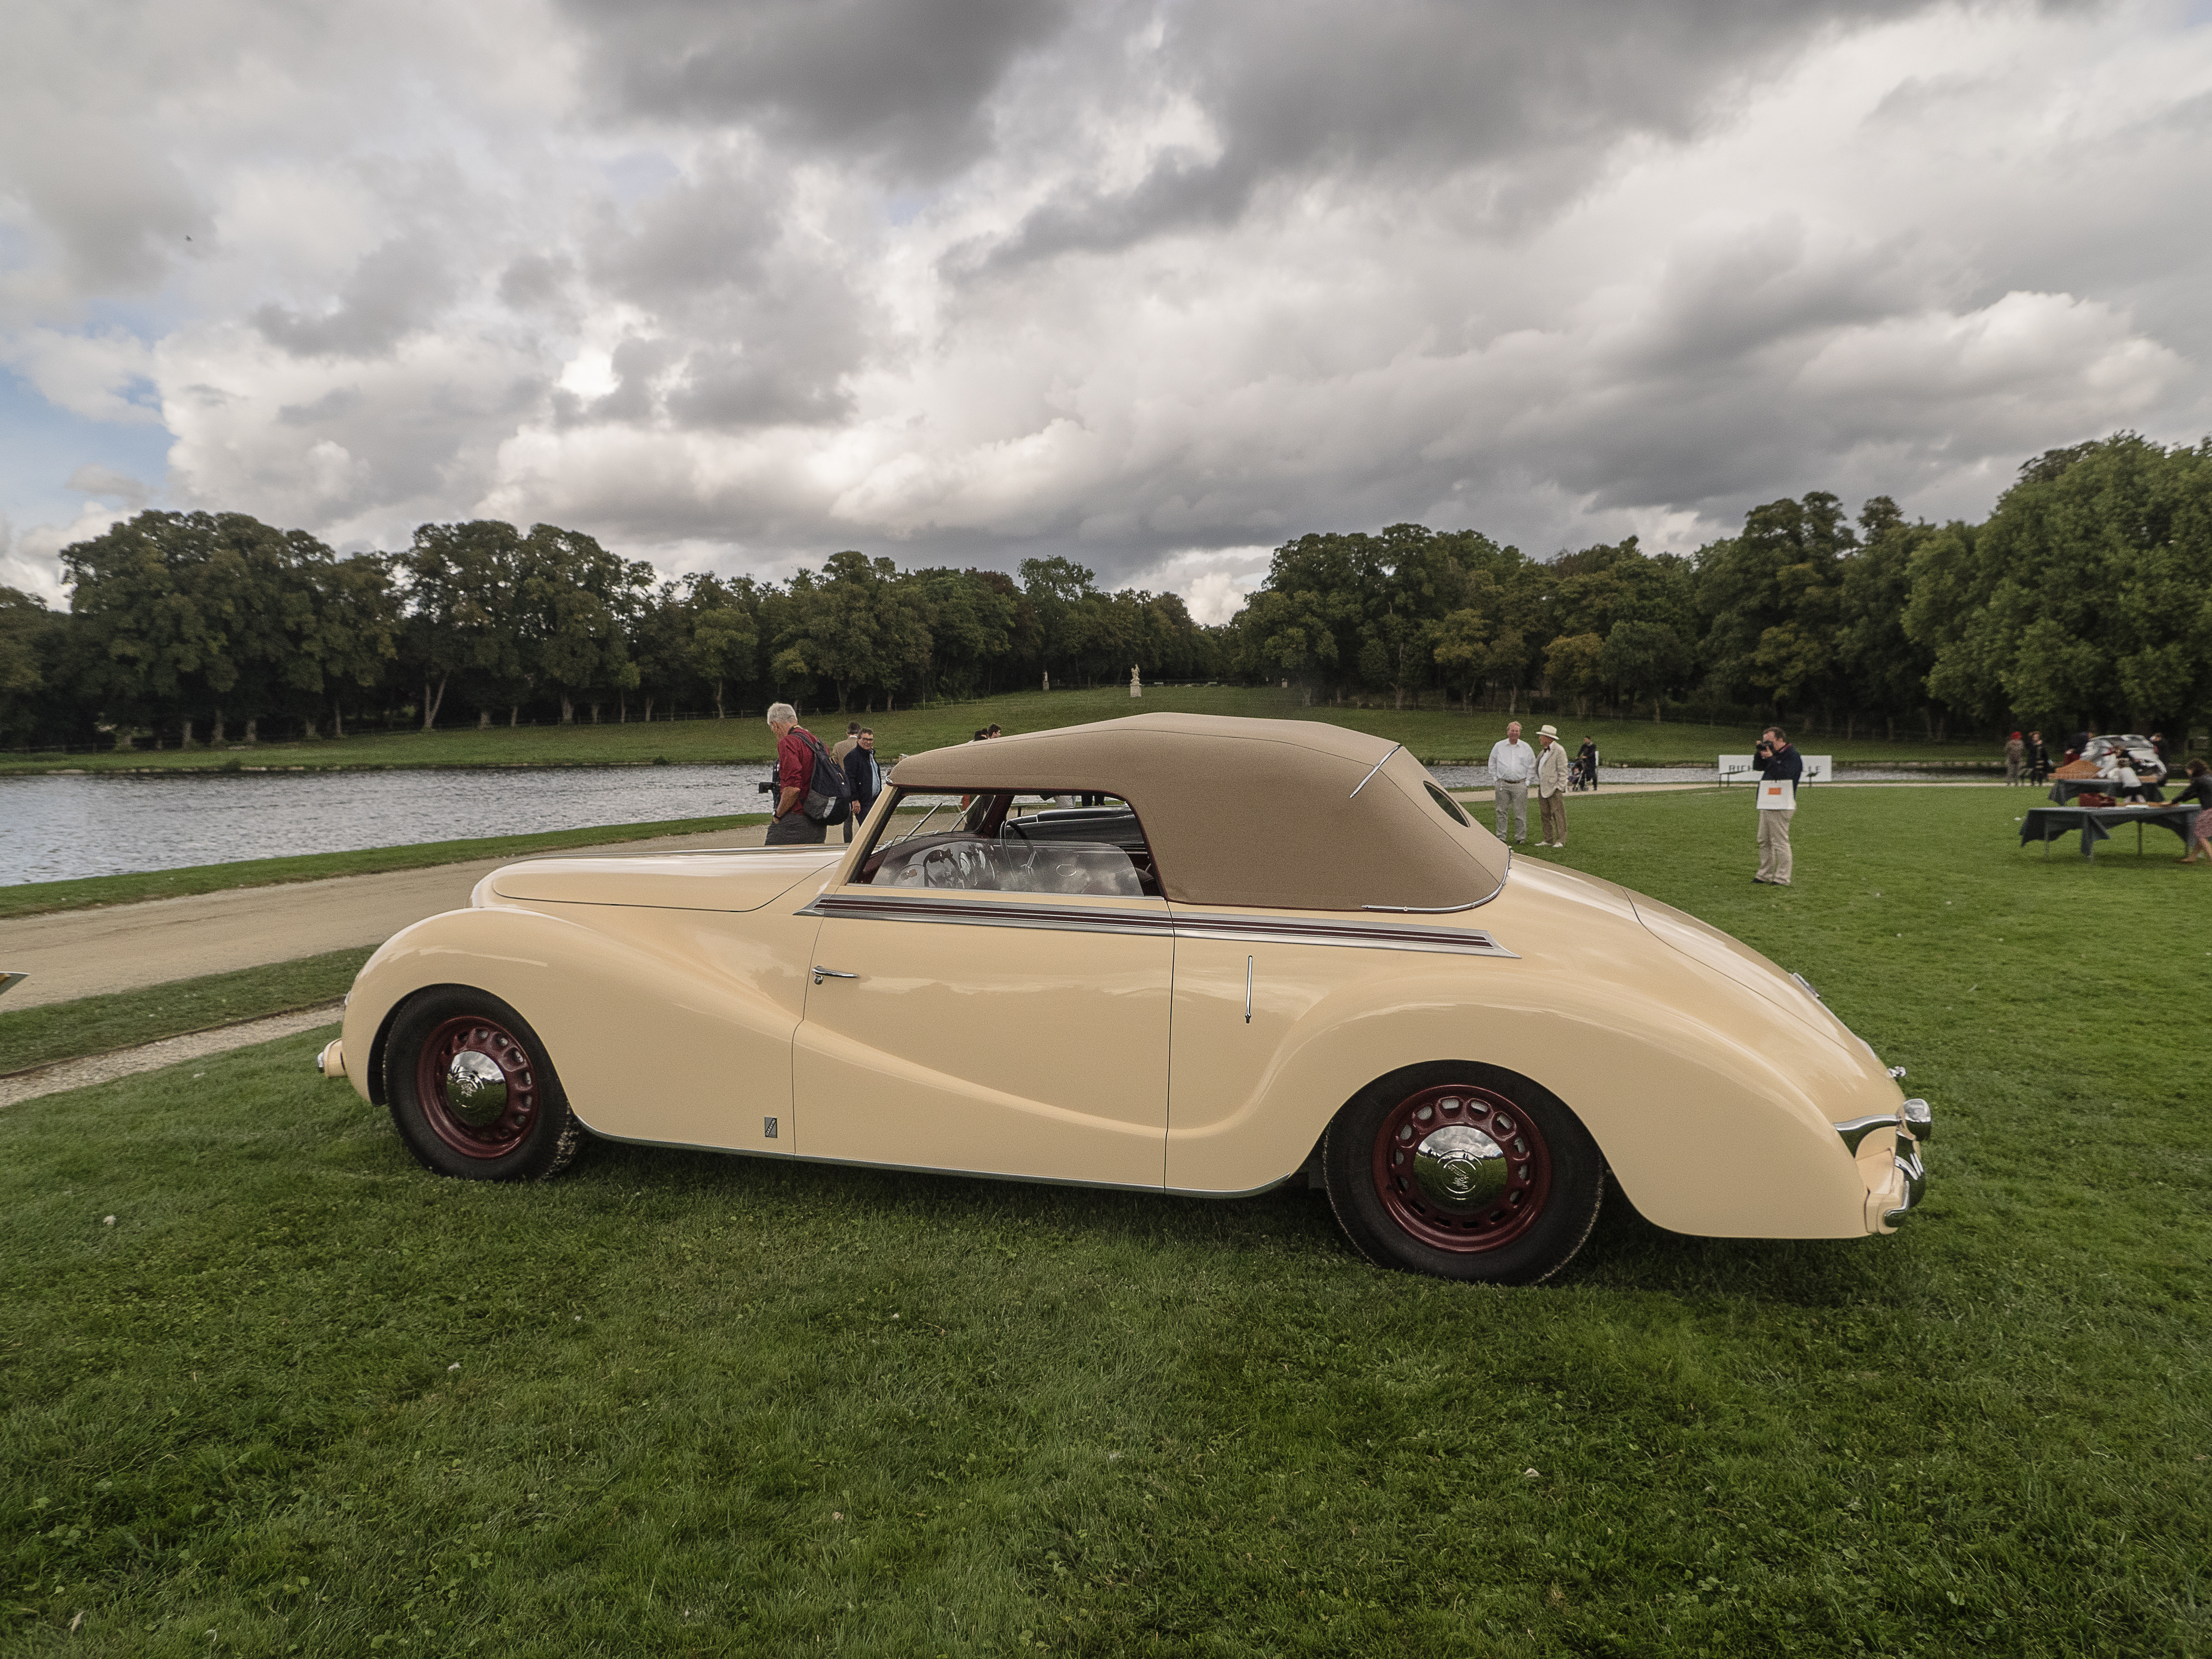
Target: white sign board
[{"x": 1737, "y": 768}]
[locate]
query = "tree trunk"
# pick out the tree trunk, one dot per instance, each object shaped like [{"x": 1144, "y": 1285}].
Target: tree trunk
[
  {"x": 337, "y": 720},
  {"x": 215, "y": 736},
  {"x": 648, "y": 711},
  {"x": 514, "y": 715},
  {"x": 307, "y": 727},
  {"x": 1657, "y": 703},
  {"x": 718, "y": 700},
  {"x": 483, "y": 719},
  {"x": 252, "y": 729},
  {"x": 595, "y": 714},
  {"x": 622, "y": 706},
  {"x": 185, "y": 742},
  {"x": 567, "y": 710},
  {"x": 430, "y": 701}
]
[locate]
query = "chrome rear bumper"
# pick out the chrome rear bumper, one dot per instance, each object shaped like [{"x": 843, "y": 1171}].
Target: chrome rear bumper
[{"x": 1910, "y": 1127}]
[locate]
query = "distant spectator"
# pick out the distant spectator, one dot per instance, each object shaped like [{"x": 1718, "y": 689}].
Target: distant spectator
[
  {"x": 1776, "y": 759},
  {"x": 2015, "y": 757},
  {"x": 2039, "y": 758},
  {"x": 994, "y": 730},
  {"x": 795, "y": 750},
  {"x": 1588, "y": 756},
  {"x": 1512, "y": 764},
  {"x": 2197, "y": 793},
  {"x": 866, "y": 775},
  {"x": 845, "y": 746}
]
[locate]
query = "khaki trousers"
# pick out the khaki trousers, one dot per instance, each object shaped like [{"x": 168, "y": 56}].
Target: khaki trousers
[
  {"x": 1554, "y": 809},
  {"x": 1774, "y": 847},
  {"x": 1510, "y": 801}
]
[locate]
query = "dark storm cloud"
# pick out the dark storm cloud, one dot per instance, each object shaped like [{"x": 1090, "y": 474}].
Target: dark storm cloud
[
  {"x": 1301, "y": 88},
  {"x": 400, "y": 288},
  {"x": 901, "y": 82},
  {"x": 755, "y": 321}
]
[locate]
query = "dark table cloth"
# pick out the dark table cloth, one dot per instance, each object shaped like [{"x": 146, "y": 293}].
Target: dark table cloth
[{"x": 2047, "y": 823}]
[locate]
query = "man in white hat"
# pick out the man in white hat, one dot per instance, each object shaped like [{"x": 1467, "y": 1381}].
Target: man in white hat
[{"x": 1552, "y": 786}]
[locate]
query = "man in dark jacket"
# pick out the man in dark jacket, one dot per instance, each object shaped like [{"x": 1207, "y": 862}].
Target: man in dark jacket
[
  {"x": 866, "y": 775},
  {"x": 1776, "y": 760}
]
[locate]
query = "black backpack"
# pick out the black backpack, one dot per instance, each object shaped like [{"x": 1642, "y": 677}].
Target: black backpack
[{"x": 829, "y": 791}]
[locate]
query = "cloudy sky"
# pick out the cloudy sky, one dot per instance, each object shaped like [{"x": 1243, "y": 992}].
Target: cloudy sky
[{"x": 736, "y": 284}]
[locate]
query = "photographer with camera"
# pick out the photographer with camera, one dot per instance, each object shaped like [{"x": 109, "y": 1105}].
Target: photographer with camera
[
  {"x": 811, "y": 791},
  {"x": 1777, "y": 762}
]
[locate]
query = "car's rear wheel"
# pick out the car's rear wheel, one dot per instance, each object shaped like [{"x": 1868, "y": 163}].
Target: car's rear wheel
[
  {"x": 1465, "y": 1171},
  {"x": 471, "y": 1091}
]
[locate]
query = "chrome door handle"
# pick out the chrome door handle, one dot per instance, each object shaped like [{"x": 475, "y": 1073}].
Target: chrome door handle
[{"x": 822, "y": 972}]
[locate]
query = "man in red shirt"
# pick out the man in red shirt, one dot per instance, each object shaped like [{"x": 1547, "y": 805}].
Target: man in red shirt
[{"x": 795, "y": 774}]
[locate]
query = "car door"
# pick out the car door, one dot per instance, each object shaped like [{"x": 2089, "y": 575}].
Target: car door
[{"x": 1009, "y": 1033}]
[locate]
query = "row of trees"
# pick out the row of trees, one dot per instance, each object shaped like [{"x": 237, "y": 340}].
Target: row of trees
[
  {"x": 2084, "y": 600},
  {"x": 214, "y": 627}
]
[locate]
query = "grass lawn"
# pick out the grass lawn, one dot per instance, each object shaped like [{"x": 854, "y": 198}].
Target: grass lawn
[
  {"x": 303, "y": 1396},
  {"x": 31, "y": 898},
  {"x": 1433, "y": 734},
  {"x": 90, "y": 1025}
]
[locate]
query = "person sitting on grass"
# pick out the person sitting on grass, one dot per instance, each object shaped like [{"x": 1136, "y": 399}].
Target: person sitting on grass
[{"x": 2197, "y": 793}]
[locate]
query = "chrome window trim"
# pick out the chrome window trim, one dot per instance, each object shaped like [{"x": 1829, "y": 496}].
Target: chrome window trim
[
  {"x": 1369, "y": 778},
  {"x": 961, "y": 910},
  {"x": 957, "y": 909}
]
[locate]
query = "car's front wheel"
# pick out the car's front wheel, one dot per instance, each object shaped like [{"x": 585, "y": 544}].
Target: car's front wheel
[
  {"x": 1464, "y": 1171},
  {"x": 471, "y": 1091}
]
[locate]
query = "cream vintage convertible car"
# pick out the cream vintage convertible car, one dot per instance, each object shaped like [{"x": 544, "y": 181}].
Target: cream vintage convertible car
[{"x": 1183, "y": 954}]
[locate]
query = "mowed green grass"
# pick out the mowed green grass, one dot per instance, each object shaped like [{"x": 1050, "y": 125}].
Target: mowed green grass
[
  {"x": 49, "y": 1031},
  {"x": 1434, "y": 734},
  {"x": 711, "y": 1405}
]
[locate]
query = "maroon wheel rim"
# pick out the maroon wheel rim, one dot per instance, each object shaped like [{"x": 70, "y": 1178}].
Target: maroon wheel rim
[
  {"x": 1461, "y": 1168},
  {"x": 478, "y": 1090}
]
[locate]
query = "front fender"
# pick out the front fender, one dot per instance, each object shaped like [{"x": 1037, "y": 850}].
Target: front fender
[{"x": 671, "y": 1026}]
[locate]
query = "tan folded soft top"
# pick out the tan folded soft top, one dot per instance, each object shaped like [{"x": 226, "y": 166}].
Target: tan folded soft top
[{"x": 1276, "y": 813}]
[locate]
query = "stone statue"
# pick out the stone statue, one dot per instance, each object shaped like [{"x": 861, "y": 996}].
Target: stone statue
[{"x": 1136, "y": 683}]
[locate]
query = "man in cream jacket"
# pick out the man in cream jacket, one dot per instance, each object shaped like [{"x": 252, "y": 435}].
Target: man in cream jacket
[{"x": 1552, "y": 786}]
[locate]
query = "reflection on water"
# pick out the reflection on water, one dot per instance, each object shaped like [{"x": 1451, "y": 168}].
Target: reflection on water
[{"x": 54, "y": 828}]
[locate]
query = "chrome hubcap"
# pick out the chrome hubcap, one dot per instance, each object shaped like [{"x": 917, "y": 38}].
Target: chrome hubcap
[
  {"x": 475, "y": 1089},
  {"x": 1459, "y": 1168}
]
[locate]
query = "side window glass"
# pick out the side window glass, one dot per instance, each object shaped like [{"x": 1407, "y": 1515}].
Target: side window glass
[
  {"x": 1011, "y": 841},
  {"x": 1452, "y": 809}
]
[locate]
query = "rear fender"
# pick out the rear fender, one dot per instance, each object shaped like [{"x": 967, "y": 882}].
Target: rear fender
[{"x": 1706, "y": 1132}]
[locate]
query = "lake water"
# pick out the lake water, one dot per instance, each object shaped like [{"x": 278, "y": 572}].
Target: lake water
[{"x": 55, "y": 828}]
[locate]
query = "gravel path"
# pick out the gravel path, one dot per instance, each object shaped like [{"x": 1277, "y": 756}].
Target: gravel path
[
  {"x": 127, "y": 1062},
  {"x": 120, "y": 947}
]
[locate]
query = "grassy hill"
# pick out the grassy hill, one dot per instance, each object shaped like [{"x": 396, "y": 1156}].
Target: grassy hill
[{"x": 1433, "y": 734}]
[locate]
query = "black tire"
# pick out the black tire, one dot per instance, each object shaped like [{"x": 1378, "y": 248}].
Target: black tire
[
  {"x": 525, "y": 1133},
  {"x": 1508, "y": 1204}
]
